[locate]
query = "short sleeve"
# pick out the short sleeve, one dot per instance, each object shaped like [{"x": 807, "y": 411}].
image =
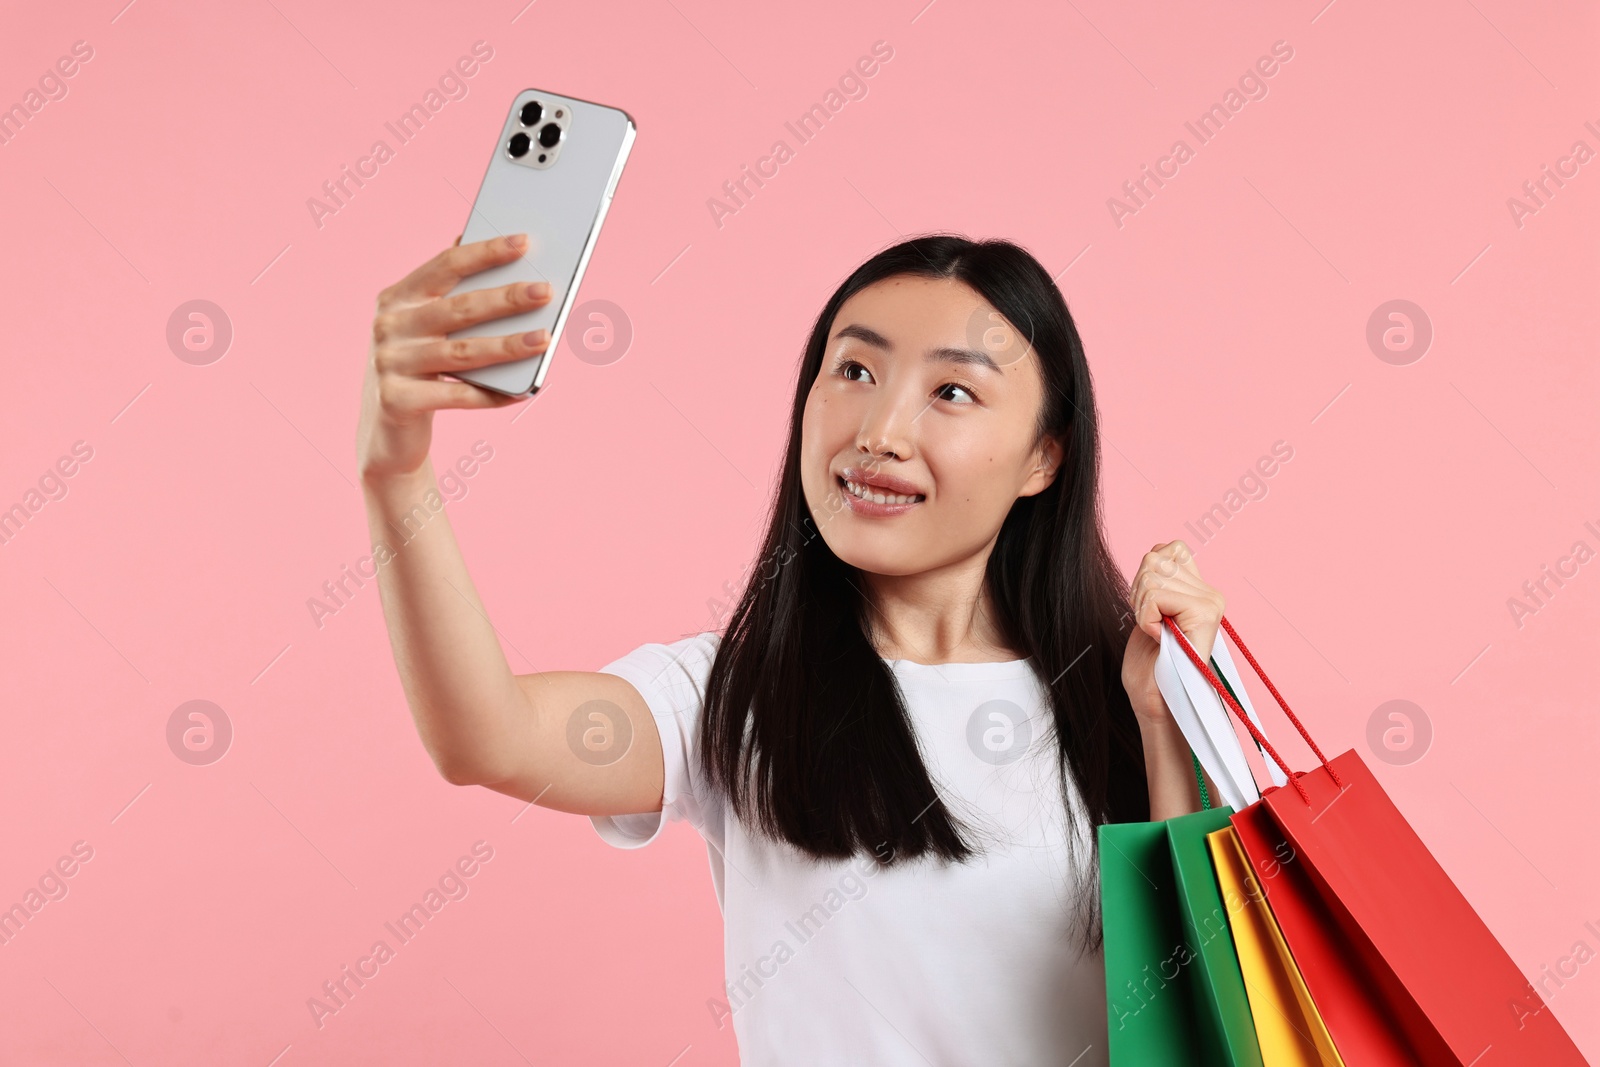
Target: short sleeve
[{"x": 672, "y": 680}]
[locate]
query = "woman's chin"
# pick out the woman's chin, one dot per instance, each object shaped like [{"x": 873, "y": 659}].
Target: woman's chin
[{"x": 870, "y": 556}]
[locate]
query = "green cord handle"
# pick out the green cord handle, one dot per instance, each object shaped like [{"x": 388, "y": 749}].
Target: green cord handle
[{"x": 1205, "y": 797}]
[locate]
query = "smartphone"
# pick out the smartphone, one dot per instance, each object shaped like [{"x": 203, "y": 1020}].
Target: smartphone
[{"x": 555, "y": 166}]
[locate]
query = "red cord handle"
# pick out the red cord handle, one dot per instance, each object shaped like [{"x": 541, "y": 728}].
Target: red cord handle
[{"x": 1239, "y": 713}]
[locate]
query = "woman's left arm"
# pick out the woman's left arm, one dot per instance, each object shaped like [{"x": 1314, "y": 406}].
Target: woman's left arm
[{"x": 1167, "y": 583}]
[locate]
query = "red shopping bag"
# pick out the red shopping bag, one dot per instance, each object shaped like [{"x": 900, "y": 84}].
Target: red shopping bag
[
  {"x": 1364, "y": 1029},
  {"x": 1397, "y": 961}
]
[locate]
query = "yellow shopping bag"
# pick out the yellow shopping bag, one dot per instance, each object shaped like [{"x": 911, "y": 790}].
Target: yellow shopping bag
[{"x": 1288, "y": 1027}]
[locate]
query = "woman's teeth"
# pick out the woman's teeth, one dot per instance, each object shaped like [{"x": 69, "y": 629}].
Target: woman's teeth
[{"x": 865, "y": 493}]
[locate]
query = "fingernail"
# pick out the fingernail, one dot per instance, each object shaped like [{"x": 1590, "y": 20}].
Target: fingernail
[
  {"x": 517, "y": 240},
  {"x": 539, "y": 289},
  {"x": 535, "y": 337}
]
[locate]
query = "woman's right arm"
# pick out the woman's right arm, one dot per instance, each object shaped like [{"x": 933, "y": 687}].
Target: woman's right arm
[{"x": 481, "y": 724}]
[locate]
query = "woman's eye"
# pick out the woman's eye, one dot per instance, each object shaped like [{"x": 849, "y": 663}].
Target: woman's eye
[
  {"x": 965, "y": 397},
  {"x": 849, "y": 368}
]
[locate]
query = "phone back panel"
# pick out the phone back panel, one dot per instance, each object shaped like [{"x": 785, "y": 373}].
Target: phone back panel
[{"x": 560, "y": 209}]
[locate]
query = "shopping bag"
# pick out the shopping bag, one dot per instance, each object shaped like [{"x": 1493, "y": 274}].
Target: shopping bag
[
  {"x": 1364, "y": 1027},
  {"x": 1288, "y": 1027},
  {"x": 1174, "y": 992},
  {"x": 1369, "y": 915},
  {"x": 1221, "y": 1006},
  {"x": 1150, "y": 1007},
  {"x": 1205, "y": 722}
]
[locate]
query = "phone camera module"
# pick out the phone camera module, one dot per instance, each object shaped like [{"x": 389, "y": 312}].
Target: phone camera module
[{"x": 538, "y": 134}]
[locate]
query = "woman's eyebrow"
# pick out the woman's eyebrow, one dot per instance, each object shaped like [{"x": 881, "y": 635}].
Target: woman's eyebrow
[{"x": 948, "y": 354}]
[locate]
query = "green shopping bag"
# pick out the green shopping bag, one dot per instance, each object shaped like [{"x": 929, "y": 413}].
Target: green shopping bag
[{"x": 1174, "y": 991}]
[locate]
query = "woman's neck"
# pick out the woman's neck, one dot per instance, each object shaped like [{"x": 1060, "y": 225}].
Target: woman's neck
[{"x": 939, "y": 616}]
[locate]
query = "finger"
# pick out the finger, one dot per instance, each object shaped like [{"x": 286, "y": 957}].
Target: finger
[
  {"x": 415, "y": 395},
  {"x": 1159, "y": 561},
  {"x": 1172, "y": 557},
  {"x": 1155, "y": 596},
  {"x": 1149, "y": 579},
  {"x": 444, "y": 271},
  {"x": 439, "y": 317},
  {"x": 1188, "y": 610},
  {"x": 1184, "y": 555},
  {"x": 459, "y": 236},
  {"x": 1195, "y": 614},
  {"x": 1153, "y": 574},
  {"x": 1147, "y": 615},
  {"x": 446, "y": 356},
  {"x": 1150, "y": 585}
]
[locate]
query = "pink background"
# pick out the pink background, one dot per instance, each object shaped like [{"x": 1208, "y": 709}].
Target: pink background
[{"x": 1228, "y": 313}]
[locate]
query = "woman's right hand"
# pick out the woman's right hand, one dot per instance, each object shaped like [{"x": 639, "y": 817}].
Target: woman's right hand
[{"x": 403, "y": 385}]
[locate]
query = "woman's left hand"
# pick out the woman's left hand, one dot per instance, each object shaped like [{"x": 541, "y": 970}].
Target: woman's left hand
[{"x": 1167, "y": 583}]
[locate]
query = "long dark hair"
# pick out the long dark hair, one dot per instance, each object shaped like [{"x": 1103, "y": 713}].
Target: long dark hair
[{"x": 804, "y": 726}]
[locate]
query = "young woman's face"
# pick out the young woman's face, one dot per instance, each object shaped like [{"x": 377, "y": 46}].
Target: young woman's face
[{"x": 927, "y": 404}]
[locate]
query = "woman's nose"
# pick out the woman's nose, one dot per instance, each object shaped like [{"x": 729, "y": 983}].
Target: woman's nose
[{"x": 886, "y": 428}]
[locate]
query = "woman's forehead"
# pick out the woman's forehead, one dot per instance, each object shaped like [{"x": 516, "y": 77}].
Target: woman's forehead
[{"x": 911, "y": 314}]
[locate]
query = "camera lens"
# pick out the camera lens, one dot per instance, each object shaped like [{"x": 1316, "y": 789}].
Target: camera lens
[
  {"x": 532, "y": 112},
  {"x": 518, "y": 145},
  {"x": 549, "y": 135}
]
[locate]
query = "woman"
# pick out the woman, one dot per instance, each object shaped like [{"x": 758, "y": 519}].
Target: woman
[{"x": 899, "y": 748}]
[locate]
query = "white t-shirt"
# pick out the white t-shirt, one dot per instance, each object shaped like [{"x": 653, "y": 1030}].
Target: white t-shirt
[{"x": 840, "y": 962}]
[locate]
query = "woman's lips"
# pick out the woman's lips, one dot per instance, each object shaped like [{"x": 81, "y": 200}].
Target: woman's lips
[{"x": 893, "y": 503}]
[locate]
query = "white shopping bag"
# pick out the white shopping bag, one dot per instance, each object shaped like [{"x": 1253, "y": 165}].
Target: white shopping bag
[{"x": 1206, "y": 723}]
